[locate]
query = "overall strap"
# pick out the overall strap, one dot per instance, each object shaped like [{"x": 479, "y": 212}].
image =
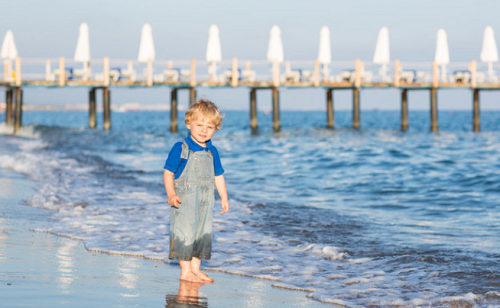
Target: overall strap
[{"x": 185, "y": 150}]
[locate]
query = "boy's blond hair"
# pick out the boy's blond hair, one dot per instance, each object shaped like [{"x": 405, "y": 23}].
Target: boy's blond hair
[{"x": 204, "y": 109}]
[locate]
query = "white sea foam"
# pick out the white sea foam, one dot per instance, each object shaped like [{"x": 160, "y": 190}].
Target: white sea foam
[
  {"x": 418, "y": 302},
  {"x": 492, "y": 295},
  {"x": 359, "y": 261},
  {"x": 6, "y": 130},
  {"x": 27, "y": 131},
  {"x": 355, "y": 281},
  {"x": 292, "y": 287}
]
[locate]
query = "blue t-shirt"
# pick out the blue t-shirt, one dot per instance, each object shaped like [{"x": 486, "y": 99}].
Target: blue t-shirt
[{"x": 176, "y": 164}]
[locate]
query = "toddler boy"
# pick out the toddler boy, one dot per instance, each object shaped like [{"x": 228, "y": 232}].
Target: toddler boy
[{"x": 191, "y": 169}]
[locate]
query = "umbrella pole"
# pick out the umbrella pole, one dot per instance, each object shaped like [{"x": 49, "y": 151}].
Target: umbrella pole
[
  {"x": 86, "y": 70},
  {"x": 210, "y": 74},
  {"x": 212, "y": 71},
  {"x": 490, "y": 71},
  {"x": 383, "y": 71},
  {"x": 10, "y": 70},
  {"x": 443, "y": 73}
]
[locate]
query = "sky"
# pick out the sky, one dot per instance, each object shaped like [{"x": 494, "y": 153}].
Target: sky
[{"x": 49, "y": 29}]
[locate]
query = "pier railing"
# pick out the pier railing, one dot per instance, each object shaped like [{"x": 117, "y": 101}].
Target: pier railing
[{"x": 106, "y": 72}]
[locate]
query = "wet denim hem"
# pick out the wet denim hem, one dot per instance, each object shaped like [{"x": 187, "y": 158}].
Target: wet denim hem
[
  {"x": 202, "y": 256},
  {"x": 175, "y": 256}
]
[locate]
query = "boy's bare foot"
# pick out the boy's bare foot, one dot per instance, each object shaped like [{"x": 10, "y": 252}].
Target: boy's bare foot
[
  {"x": 191, "y": 277},
  {"x": 204, "y": 277}
]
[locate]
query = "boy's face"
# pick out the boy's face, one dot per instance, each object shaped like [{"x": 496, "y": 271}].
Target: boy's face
[{"x": 201, "y": 130}]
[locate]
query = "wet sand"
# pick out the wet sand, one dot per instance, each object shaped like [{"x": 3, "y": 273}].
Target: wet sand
[{"x": 44, "y": 270}]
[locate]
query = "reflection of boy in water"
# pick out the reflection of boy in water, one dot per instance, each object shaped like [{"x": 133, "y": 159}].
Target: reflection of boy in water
[
  {"x": 187, "y": 296},
  {"x": 192, "y": 168}
]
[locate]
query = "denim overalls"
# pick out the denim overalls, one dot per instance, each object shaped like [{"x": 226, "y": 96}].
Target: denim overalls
[{"x": 191, "y": 223}]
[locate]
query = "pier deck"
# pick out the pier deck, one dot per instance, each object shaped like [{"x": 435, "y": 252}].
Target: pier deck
[
  {"x": 256, "y": 75},
  {"x": 253, "y": 85}
]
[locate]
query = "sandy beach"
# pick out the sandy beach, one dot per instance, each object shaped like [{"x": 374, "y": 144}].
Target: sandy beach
[{"x": 44, "y": 270}]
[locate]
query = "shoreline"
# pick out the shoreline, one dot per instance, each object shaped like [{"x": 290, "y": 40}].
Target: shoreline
[{"x": 45, "y": 270}]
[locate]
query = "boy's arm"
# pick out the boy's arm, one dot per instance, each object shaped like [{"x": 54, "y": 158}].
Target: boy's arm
[
  {"x": 220, "y": 184},
  {"x": 168, "y": 179}
]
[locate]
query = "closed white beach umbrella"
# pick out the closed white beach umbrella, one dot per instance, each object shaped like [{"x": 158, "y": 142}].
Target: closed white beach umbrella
[
  {"x": 489, "y": 53},
  {"x": 82, "y": 52},
  {"x": 9, "y": 50},
  {"x": 325, "y": 52},
  {"x": 213, "y": 47},
  {"x": 275, "y": 47},
  {"x": 147, "y": 47},
  {"x": 442, "y": 56},
  {"x": 382, "y": 51},
  {"x": 214, "y": 54}
]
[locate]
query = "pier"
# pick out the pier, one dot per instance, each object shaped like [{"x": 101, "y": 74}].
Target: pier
[{"x": 104, "y": 75}]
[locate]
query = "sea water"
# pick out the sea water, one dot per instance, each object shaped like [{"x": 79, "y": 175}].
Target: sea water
[{"x": 369, "y": 217}]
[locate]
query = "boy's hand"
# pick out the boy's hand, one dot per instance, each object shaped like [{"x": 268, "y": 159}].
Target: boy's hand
[
  {"x": 220, "y": 184},
  {"x": 225, "y": 206},
  {"x": 174, "y": 200}
]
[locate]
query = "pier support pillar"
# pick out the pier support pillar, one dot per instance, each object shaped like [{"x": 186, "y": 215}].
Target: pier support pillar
[
  {"x": 192, "y": 96},
  {"x": 356, "y": 123},
  {"x": 404, "y": 110},
  {"x": 92, "y": 109},
  {"x": 106, "y": 108},
  {"x": 18, "y": 114},
  {"x": 330, "y": 119},
  {"x": 476, "y": 121},
  {"x": 253, "y": 110},
  {"x": 8, "y": 106},
  {"x": 173, "y": 111},
  {"x": 434, "y": 111},
  {"x": 276, "y": 110}
]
